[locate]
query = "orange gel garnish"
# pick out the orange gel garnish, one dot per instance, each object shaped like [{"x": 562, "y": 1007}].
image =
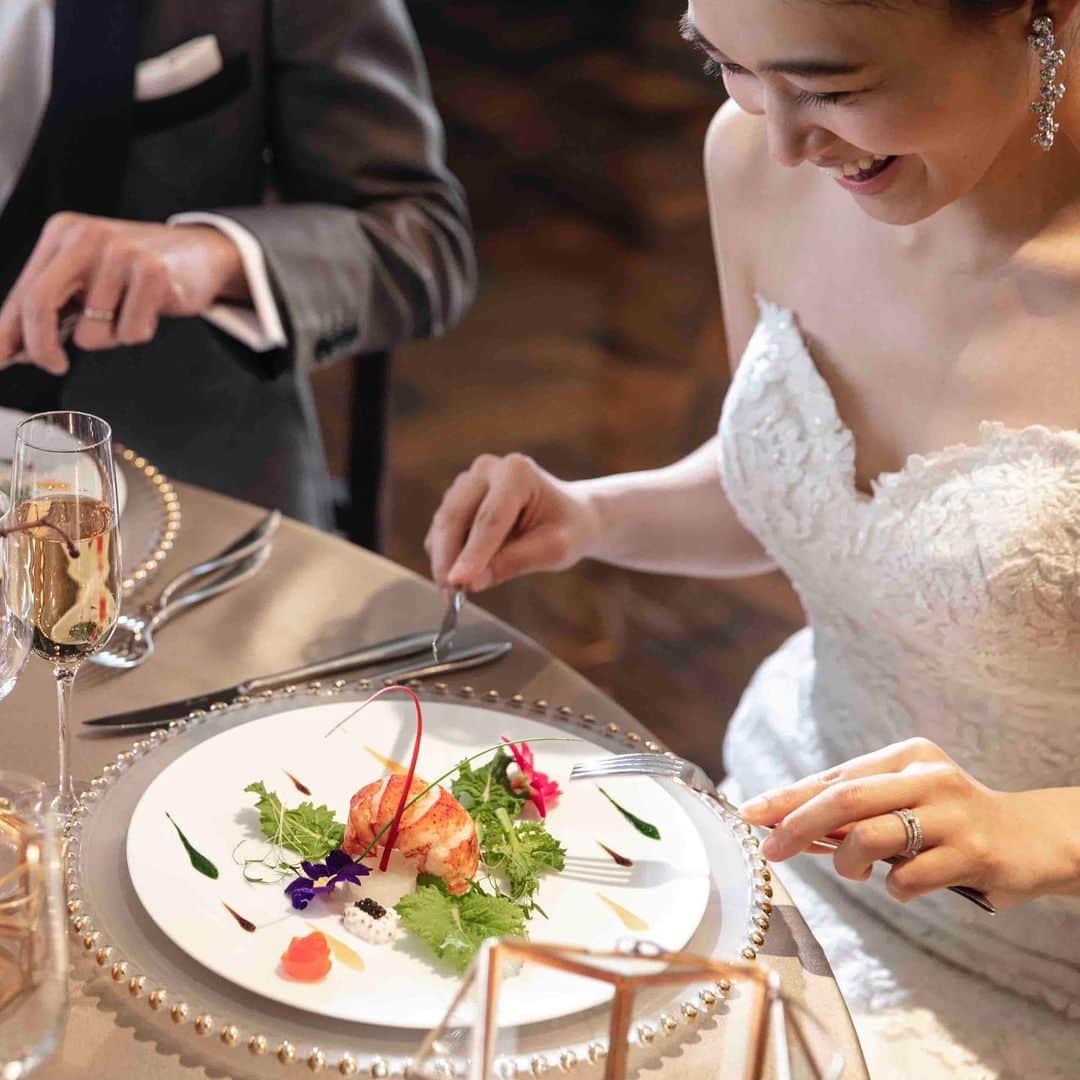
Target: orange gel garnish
[{"x": 307, "y": 959}]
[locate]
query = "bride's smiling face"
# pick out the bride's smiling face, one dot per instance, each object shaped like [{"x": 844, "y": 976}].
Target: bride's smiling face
[{"x": 925, "y": 103}]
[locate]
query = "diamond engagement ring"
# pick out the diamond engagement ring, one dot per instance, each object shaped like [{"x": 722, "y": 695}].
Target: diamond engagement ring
[
  {"x": 913, "y": 828},
  {"x": 98, "y": 314}
]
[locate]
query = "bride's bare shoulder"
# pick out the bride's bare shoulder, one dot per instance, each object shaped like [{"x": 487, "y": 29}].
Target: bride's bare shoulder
[
  {"x": 745, "y": 188},
  {"x": 743, "y": 179},
  {"x": 735, "y": 149}
]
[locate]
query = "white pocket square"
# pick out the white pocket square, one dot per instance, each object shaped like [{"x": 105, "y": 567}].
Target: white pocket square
[{"x": 178, "y": 69}]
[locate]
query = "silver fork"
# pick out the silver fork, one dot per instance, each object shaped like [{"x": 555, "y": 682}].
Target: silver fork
[
  {"x": 444, "y": 637},
  {"x": 255, "y": 539},
  {"x": 693, "y": 777},
  {"x": 132, "y": 642}
]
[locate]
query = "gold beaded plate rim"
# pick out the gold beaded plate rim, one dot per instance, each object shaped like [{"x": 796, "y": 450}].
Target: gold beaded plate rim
[
  {"x": 157, "y": 546},
  {"x": 103, "y": 959}
]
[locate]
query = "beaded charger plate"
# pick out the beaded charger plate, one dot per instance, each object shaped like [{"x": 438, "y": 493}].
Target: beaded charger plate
[
  {"x": 132, "y": 961},
  {"x": 150, "y": 521}
]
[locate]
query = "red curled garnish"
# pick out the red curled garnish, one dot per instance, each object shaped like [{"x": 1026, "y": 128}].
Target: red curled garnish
[
  {"x": 307, "y": 959},
  {"x": 391, "y": 836}
]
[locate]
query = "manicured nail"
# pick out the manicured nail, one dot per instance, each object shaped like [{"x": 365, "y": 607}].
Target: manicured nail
[
  {"x": 773, "y": 847},
  {"x": 753, "y": 807}
]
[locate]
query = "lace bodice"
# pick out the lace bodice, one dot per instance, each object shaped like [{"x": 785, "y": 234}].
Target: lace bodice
[{"x": 946, "y": 604}]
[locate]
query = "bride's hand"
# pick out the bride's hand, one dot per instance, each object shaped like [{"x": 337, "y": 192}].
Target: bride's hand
[
  {"x": 1014, "y": 846},
  {"x": 504, "y": 517}
]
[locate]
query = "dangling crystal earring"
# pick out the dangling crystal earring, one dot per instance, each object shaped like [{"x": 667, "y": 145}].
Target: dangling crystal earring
[{"x": 1042, "y": 40}]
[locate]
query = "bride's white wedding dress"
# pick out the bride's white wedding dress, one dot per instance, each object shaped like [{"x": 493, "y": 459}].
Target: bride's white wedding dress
[{"x": 947, "y": 604}]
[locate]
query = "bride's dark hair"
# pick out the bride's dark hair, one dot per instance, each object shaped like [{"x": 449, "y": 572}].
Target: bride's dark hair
[
  {"x": 974, "y": 11},
  {"x": 976, "y": 8}
]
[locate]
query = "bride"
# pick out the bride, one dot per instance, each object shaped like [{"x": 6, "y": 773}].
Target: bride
[{"x": 898, "y": 237}]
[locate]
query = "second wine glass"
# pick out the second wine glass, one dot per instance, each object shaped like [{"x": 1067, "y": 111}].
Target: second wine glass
[{"x": 64, "y": 488}]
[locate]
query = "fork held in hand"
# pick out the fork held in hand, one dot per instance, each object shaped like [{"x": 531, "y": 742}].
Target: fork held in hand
[
  {"x": 689, "y": 775},
  {"x": 445, "y": 636}
]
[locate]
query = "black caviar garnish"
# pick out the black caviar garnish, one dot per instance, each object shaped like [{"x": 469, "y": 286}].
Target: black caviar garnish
[{"x": 371, "y": 907}]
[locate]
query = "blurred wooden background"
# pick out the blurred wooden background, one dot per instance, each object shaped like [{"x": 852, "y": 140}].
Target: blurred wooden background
[{"x": 596, "y": 344}]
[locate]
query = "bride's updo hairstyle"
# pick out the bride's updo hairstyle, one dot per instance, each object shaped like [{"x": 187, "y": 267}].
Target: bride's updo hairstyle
[
  {"x": 975, "y": 9},
  {"x": 972, "y": 10}
]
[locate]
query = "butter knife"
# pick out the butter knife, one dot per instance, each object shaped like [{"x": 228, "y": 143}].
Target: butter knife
[
  {"x": 418, "y": 644},
  {"x": 384, "y": 652}
]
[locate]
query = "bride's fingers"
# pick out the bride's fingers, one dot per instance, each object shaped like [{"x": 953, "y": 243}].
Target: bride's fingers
[
  {"x": 935, "y": 868},
  {"x": 881, "y": 837},
  {"x": 841, "y": 804},
  {"x": 541, "y": 549},
  {"x": 450, "y": 526},
  {"x": 773, "y": 805},
  {"x": 492, "y": 526}
]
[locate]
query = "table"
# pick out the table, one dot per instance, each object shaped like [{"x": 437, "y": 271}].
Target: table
[{"x": 317, "y": 596}]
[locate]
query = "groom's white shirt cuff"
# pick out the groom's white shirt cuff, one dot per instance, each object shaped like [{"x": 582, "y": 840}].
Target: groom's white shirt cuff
[{"x": 259, "y": 327}]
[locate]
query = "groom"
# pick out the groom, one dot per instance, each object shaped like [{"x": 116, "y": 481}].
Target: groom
[{"x": 222, "y": 196}]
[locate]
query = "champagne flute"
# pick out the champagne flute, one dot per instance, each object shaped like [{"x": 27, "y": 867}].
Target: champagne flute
[{"x": 64, "y": 506}]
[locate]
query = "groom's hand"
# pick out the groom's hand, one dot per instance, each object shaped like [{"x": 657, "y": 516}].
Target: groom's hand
[{"x": 121, "y": 275}]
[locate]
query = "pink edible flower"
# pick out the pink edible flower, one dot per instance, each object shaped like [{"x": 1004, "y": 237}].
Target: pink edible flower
[{"x": 541, "y": 790}]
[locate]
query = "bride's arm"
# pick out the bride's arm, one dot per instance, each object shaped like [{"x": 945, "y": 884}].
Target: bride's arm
[
  {"x": 675, "y": 520},
  {"x": 504, "y": 517}
]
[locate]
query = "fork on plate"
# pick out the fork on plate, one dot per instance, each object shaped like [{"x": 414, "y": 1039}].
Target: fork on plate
[{"x": 694, "y": 778}]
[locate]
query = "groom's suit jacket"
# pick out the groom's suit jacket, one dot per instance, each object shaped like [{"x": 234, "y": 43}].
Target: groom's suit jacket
[{"x": 318, "y": 135}]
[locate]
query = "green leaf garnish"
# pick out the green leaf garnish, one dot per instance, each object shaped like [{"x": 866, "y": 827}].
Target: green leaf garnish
[
  {"x": 309, "y": 830},
  {"x": 198, "y": 859},
  {"x": 514, "y": 854},
  {"x": 455, "y": 926},
  {"x": 487, "y": 789},
  {"x": 644, "y": 827},
  {"x": 520, "y": 853}
]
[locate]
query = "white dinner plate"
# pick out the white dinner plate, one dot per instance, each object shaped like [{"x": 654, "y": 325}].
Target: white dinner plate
[
  {"x": 10, "y": 419},
  {"x": 402, "y": 985}
]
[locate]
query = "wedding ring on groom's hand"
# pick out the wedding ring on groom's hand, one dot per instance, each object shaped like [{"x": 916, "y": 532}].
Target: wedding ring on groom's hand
[
  {"x": 913, "y": 828},
  {"x": 98, "y": 314}
]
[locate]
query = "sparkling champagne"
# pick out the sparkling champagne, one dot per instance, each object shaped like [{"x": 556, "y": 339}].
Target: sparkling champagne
[{"x": 74, "y": 591}]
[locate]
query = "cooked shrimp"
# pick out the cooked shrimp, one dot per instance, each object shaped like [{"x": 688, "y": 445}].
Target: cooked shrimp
[{"x": 436, "y": 831}]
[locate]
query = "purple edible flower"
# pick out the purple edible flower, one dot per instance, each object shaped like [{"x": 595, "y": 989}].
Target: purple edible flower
[{"x": 338, "y": 867}]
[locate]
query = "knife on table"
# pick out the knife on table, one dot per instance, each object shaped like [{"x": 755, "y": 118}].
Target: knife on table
[{"x": 401, "y": 648}]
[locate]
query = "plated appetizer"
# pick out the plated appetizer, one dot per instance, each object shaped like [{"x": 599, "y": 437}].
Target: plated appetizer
[{"x": 452, "y": 865}]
